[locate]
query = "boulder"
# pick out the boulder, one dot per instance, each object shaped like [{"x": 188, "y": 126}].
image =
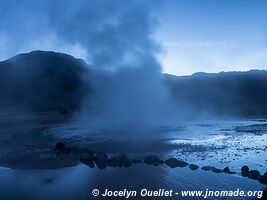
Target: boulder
[
  {"x": 254, "y": 174},
  {"x": 113, "y": 162},
  {"x": 101, "y": 160},
  {"x": 88, "y": 162},
  {"x": 152, "y": 160},
  {"x": 63, "y": 111},
  {"x": 263, "y": 179},
  {"x": 216, "y": 170},
  {"x": 124, "y": 161},
  {"x": 120, "y": 161},
  {"x": 173, "y": 162},
  {"x": 182, "y": 163},
  {"x": 88, "y": 158},
  {"x": 226, "y": 170},
  {"x": 244, "y": 173},
  {"x": 135, "y": 161},
  {"x": 60, "y": 146},
  {"x": 208, "y": 168},
  {"x": 232, "y": 172},
  {"x": 193, "y": 167},
  {"x": 244, "y": 169},
  {"x": 72, "y": 150}
]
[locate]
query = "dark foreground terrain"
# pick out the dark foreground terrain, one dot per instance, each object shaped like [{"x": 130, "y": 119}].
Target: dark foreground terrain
[{"x": 49, "y": 156}]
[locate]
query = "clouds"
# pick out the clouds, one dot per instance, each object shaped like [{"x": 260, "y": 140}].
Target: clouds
[
  {"x": 114, "y": 33},
  {"x": 108, "y": 34},
  {"x": 21, "y": 23}
]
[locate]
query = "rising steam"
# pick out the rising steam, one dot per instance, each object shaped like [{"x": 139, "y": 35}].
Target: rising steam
[{"x": 113, "y": 36}]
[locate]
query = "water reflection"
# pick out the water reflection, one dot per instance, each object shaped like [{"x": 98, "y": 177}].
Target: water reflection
[{"x": 78, "y": 182}]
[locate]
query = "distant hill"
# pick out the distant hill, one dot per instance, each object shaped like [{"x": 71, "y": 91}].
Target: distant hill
[
  {"x": 226, "y": 93},
  {"x": 42, "y": 80},
  {"x": 49, "y": 81}
]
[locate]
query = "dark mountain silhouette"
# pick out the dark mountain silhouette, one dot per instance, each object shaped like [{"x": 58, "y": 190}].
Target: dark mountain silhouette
[
  {"x": 49, "y": 81},
  {"x": 226, "y": 93},
  {"x": 42, "y": 80}
]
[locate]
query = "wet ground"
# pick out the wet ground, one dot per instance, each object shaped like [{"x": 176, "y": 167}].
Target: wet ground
[
  {"x": 78, "y": 182},
  {"x": 218, "y": 143}
]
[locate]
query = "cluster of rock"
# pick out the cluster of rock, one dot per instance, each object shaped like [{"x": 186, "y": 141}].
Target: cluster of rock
[
  {"x": 101, "y": 160},
  {"x": 216, "y": 170},
  {"x": 92, "y": 159},
  {"x": 254, "y": 174}
]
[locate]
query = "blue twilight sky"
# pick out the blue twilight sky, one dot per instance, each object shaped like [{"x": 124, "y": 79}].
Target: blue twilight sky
[
  {"x": 213, "y": 35},
  {"x": 193, "y": 35}
]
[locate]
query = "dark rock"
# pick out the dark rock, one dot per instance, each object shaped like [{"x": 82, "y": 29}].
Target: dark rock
[
  {"x": 182, "y": 163},
  {"x": 124, "y": 161},
  {"x": 226, "y": 170},
  {"x": 89, "y": 155},
  {"x": 193, "y": 167},
  {"x": 135, "y": 161},
  {"x": 113, "y": 162},
  {"x": 63, "y": 111},
  {"x": 88, "y": 162},
  {"x": 232, "y": 172},
  {"x": 244, "y": 173},
  {"x": 60, "y": 146},
  {"x": 88, "y": 158},
  {"x": 72, "y": 153},
  {"x": 101, "y": 160},
  {"x": 254, "y": 174},
  {"x": 263, "y": 196},
  {"x": 72, "y": 150},
  {"x": 152, "y": 160},
  {"x": 120, "y": 161},
  {"x": 244, "y": 169},
  {"x": 216, "y": 170},
  {"x": 263, "y": 179},
  {"x": 207, "y": 168},
  {"x": 173, "y": 162}
]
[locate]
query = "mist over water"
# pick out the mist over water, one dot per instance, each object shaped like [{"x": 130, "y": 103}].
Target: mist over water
[
  {"x": 114, "y": 109},
  {"x": 133, "y": 95},
  {"x": 114, "y": 37},
  {"x": 127, "y": 89},
  {"x": 133, "y": 99}
]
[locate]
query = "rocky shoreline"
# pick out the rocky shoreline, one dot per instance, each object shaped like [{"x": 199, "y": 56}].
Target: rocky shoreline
[{"x": 102, "y": 160}]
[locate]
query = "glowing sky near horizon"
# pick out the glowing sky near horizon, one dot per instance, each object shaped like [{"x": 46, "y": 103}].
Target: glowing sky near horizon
[
  {"x": 213, "y": 36},
  {"x": 206, "y": 35}
]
